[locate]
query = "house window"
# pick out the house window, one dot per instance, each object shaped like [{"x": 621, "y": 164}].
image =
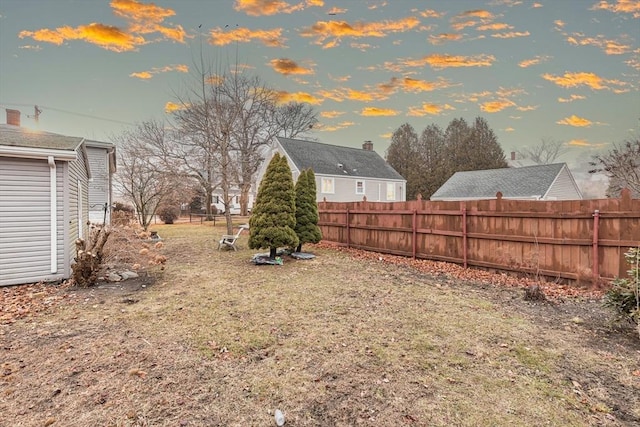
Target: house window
[
  {"x": 359, "y": 187},
  {"x": 327, "y": 185},
  {"x": 391, "y": 191}
]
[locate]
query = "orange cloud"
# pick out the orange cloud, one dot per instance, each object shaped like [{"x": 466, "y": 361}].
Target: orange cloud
[
  {"x": 149, "y": 74},
  {"x": 287, "y": 66},
  {"x": 536, "y": 5},
  {"x": 633, "y": 63},
  {"x": 610, "y": 47},
  {"x": 494, "y": 27},
  {"x": 147, "y": 18},
  {"x": 105, "y": 36},
  {"x": 284, "y": 97},
  {"x": 621, "y": 6},
  {"x": 427, "y": 108},
  {"x": 430, "y": 13},
  {"x": 509, "y": 129},
  {"x": 527, "y": 108},
  {"x": 511, "y": 35},
  {"x": 440, "y": 61},
  {"x": 496, "y": 106},
  {"x": 443, "y": 38},
  {"x": 575, "y": 121},
  {"x": 572, "y": 98},
  {"x": 479, "y": 13},
  {"x": 270, "y": 7},
  {"x": 142, "y": 75},
  {"x": 534, "y": 61},
  {"x": 361, "y": 46},
  {"x": 271, "y": 38},
  {"x": 331, "y": 114},
  {"x": 591, "y": 80},
  {"x": 170, "y": 107},
  {"x": 408, "y": 84},
  {"x": 342, "y": 125},
  {"x": 341, "y": 94},
  {"x": 375, "y": 112},
  {"x": 336, "y": 11},
  {"x": 459, "y": 26},
  {"x": 339, "y": 78},
  {"x": 142, "y": 19},
  {"x": 329, "y": 34}
]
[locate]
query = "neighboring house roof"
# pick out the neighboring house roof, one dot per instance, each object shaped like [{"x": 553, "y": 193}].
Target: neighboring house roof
[
  {"x": 528, "y": 182},
  {"x": 326, "y": 159}
]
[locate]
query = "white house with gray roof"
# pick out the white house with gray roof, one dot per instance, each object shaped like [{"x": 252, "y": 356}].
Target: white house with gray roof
[
  {"x": 343, "y": 174},
  {"x": 44, "y": 203},
  {"x": 538, "y": 182}
]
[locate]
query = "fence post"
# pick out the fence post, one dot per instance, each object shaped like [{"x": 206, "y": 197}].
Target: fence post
[
  {"x": 348, "y": 231},
  {"x": 464, "y": 236},
  {"x": 595, "y": 269},
  {"x": 415, "y": 234}
]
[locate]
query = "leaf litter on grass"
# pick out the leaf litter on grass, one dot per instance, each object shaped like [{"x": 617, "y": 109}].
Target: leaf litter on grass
[{"x": 344, "y": 339}]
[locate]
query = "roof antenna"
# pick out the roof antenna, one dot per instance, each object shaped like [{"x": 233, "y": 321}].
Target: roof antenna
[{"x": 36, "y": 114}]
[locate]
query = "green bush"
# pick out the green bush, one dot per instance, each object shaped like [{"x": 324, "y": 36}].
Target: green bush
[{"x": 624, "y": 296}]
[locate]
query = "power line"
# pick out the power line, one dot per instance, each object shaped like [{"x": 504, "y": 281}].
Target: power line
[{"x": 43, "y": 108}]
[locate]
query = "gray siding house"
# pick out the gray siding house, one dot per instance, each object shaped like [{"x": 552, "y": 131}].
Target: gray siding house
[
  {"x": 102, "y": 162},
  {"x": 343, "y": 174},
  {"x": 538, "y": 182},
  {"x": 44, "y": 204}
]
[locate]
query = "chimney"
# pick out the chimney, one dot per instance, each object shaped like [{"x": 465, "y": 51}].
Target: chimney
[
  {"x": 513, "y": 155},
  {"x": 13, "y": 117},
  {"x": 368, "y": 145}
]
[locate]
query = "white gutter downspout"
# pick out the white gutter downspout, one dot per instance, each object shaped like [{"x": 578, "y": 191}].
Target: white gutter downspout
[{"x": 54, "y": 214}]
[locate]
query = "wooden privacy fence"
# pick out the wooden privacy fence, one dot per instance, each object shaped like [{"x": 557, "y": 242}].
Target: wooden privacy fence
[{"x": 579, "y": 240}]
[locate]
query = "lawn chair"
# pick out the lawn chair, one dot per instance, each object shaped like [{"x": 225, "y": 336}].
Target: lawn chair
[{"x": 230, "y": 240}]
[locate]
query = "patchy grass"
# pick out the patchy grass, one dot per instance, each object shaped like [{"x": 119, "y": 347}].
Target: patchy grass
[{"x": 338, "y": 340}]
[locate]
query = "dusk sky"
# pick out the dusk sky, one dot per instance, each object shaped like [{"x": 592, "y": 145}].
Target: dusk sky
[{"x": 565, "y": 70}]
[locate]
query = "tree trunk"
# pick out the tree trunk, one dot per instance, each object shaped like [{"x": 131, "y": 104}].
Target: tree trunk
[
  {"x": 299, "y": 248},
  {"x": 244, "y": 199},
  {"x": 207, "y": 205},
  {"x": 272, "y": 252}
]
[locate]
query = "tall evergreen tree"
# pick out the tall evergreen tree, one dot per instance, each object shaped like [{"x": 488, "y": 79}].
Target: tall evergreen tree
[
  {"x": 274, "y": 214},
  {"x": 484, "y": 145},
  {"x": 427, "y": 162},
  {"x": 307, "y": 209},
  {"x": 401, "y": 155},
  {"x": 431, "y": 156}
]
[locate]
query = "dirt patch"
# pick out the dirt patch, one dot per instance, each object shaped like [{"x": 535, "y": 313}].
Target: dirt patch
[{"x": 345, "y": 339}]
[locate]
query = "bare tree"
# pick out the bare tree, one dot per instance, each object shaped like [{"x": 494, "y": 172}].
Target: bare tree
[
  {"x": 622, "y": 165},
  {"x": 295, "y": 120},
  {"x": 140, "y": 177},
  {"x": 546, "y": 152}
]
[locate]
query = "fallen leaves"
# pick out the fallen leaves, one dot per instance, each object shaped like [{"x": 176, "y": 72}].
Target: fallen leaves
[
  {"x": 474, "y": 275},
  {"x": 27, "y": 300}
]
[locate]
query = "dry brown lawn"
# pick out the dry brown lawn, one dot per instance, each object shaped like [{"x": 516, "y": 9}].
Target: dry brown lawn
[{"x": 340, "y": 340}]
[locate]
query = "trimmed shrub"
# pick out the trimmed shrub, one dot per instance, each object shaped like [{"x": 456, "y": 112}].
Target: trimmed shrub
[{"x": 168, "y": 214}]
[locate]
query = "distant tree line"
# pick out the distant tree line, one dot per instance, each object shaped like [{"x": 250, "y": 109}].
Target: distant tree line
[{"x": 428, "y": 160}]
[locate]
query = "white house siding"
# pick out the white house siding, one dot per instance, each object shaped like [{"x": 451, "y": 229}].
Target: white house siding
[
  {"x": 345, "y": 189},
  {"x": 99, "y": 184},
  {"x": 563, "y": 188},
  {"x": 76, "y": 200},
  {"x": 25, "y": 222}
]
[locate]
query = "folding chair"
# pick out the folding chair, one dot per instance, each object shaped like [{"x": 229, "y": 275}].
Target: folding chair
[{"x": 231, "y": 239}]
